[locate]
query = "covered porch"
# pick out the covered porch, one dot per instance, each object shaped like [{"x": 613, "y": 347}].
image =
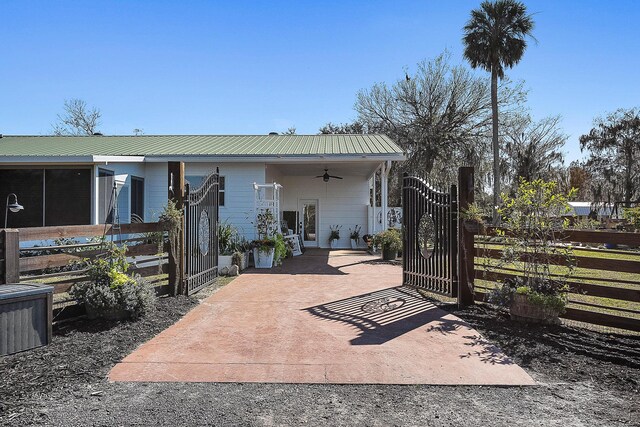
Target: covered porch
[{"x": 317, "y": 196}]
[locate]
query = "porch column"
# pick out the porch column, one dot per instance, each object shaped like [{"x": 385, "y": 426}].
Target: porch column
[
  {"x": 375, "y": 203},
  {"x": 384, "y": 178}
]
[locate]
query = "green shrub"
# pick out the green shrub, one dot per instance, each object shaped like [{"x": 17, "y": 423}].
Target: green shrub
[
  {"x": 389, "y": 239},
  {"x": 110, "y": 289},
  {"x": 633, "y": 216}
]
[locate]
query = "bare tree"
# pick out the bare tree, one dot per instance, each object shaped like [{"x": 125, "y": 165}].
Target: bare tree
[
  {"x": 533, "y": 149},
  {"x": 441, "y": 116},
  {"x": 343, "y": 128},
  {"x": 77, "y": 119},
  {"x": 614, "y": 156}
]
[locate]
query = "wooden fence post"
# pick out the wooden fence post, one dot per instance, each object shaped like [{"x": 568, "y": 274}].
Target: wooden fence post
[
  {"x": 176, "y": 255},
  {"x": 466, "y": 250},
  {"x": 10, "y": 251}
]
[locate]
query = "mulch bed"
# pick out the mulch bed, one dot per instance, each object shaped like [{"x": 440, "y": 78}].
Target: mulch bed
[
  {"x": 71, "y": 373},
  {"x": 561, "y": 353},
  {"x": 81, "y": 354}
]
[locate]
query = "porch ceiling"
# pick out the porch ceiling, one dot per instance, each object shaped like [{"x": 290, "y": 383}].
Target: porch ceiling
[{"x": 364, "y": 169}]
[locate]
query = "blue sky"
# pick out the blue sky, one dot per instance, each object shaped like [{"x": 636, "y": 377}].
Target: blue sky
[{"x": 239, "y": 67}]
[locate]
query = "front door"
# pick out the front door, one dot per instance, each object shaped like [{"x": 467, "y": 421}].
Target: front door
[{"x": 309, "y": 222}]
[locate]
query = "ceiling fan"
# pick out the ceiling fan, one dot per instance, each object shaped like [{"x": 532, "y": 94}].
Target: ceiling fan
[{"x": 326, "y": 176}]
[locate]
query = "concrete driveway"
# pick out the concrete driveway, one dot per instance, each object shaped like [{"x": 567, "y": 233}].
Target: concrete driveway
[{"x": 325, "y": 317}]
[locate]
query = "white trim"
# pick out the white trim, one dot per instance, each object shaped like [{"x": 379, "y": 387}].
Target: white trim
[
  {"x": 118, "y": 159},
  {"x": 337, "y": 158}
]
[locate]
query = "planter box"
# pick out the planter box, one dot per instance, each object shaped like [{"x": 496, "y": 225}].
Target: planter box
[
  {"x": 263, "y": 259},
  {"x": 25, "y": 317},
  {"x": 354, "y": 244},
  {"x": 523, "y": 310}
]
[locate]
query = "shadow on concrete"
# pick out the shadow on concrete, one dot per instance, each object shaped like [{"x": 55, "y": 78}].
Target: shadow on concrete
[
  {"x": 384, "y": 315},
  {"x": 313, "y": 261},
  {"x": 380, "y": 316}
]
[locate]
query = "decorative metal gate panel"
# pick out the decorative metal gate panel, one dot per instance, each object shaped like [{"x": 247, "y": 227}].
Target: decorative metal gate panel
[
  {"x": 201, "y": 234},
  {"x": 430, "y": 245}
]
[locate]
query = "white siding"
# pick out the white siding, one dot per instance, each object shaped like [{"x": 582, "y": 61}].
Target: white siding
[
  {"x": 239, "y": 179},
  {"x": 340, "y": 202}
]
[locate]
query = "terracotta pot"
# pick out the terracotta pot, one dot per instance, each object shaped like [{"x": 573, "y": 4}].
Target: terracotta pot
[{"x": 523, "y": 310}]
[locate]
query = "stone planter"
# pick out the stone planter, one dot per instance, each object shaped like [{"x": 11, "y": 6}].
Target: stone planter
[
  {"x": 389, "y": 254},
  {"x": 263, "y": 259},
  {"x": 354, "y": 244},
  {"x": 224, "y": 261},
  {"x": 523, "y": 310},
  {"x": 333, "y": 244}
]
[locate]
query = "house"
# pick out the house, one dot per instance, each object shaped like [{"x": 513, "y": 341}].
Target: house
[{"x": 63, "y": 180}]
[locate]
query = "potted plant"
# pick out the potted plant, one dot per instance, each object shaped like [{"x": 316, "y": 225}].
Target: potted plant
[
  {"x": 263, "y": 252},
  {"x": 227, "y": 244},
  {"x": 334, "y": 235},
  {"x": 390, "y": 243},
  {"x": 354, "y": 235},
  {"x": 532, "y": 222},
  {"x": 110, "y": 292},
  {"x": 264, "y": 246},
  {"x": 473, "y": 218}
]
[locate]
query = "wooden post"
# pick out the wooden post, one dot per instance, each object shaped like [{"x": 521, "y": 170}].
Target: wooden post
[
  {"x": 10, "y": 241},
  {"x": 466, "y": 249},
  {"x": 176, "y": 255}
]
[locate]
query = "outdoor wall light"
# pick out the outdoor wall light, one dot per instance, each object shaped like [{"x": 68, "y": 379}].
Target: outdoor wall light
[{"x": 13, "y": 207}]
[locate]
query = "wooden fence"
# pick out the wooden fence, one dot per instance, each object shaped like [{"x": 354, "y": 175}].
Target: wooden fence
[
  {"x": 605, "y": 288},
  {"x": 28, "y": 255}
]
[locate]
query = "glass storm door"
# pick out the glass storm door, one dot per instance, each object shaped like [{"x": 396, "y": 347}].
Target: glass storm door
[{"x": 309, "y": 222}]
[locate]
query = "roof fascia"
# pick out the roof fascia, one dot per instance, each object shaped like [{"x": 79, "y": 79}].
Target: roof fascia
[{"x": 280, "y": 159}]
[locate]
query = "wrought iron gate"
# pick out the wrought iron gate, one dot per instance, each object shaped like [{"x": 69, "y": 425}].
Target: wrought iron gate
[
  {"x": 430, "y": 245},
  {"x": 201, "y": 234}
]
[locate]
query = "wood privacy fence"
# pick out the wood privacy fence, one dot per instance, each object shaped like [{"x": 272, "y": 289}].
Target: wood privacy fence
[
  {"x": 52, "y": 255},
  {"x": 605, "y": 288}
]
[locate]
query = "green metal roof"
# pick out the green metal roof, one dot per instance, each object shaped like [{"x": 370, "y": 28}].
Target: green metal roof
[{"x": 198, "y": 145}]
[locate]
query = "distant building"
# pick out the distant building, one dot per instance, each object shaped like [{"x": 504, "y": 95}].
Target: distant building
[{"x": 584, "y": 210}]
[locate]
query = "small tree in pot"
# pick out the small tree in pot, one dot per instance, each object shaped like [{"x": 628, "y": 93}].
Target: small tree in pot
[
  {"x": 533, "y": 218},
  {"x": 264, "y": 246}
]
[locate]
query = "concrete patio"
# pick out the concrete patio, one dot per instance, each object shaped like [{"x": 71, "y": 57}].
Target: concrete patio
[{"x": 325, "y": 317}]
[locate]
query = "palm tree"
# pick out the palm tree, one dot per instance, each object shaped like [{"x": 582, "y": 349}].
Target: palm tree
[{"x": 495, "y": 38}]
